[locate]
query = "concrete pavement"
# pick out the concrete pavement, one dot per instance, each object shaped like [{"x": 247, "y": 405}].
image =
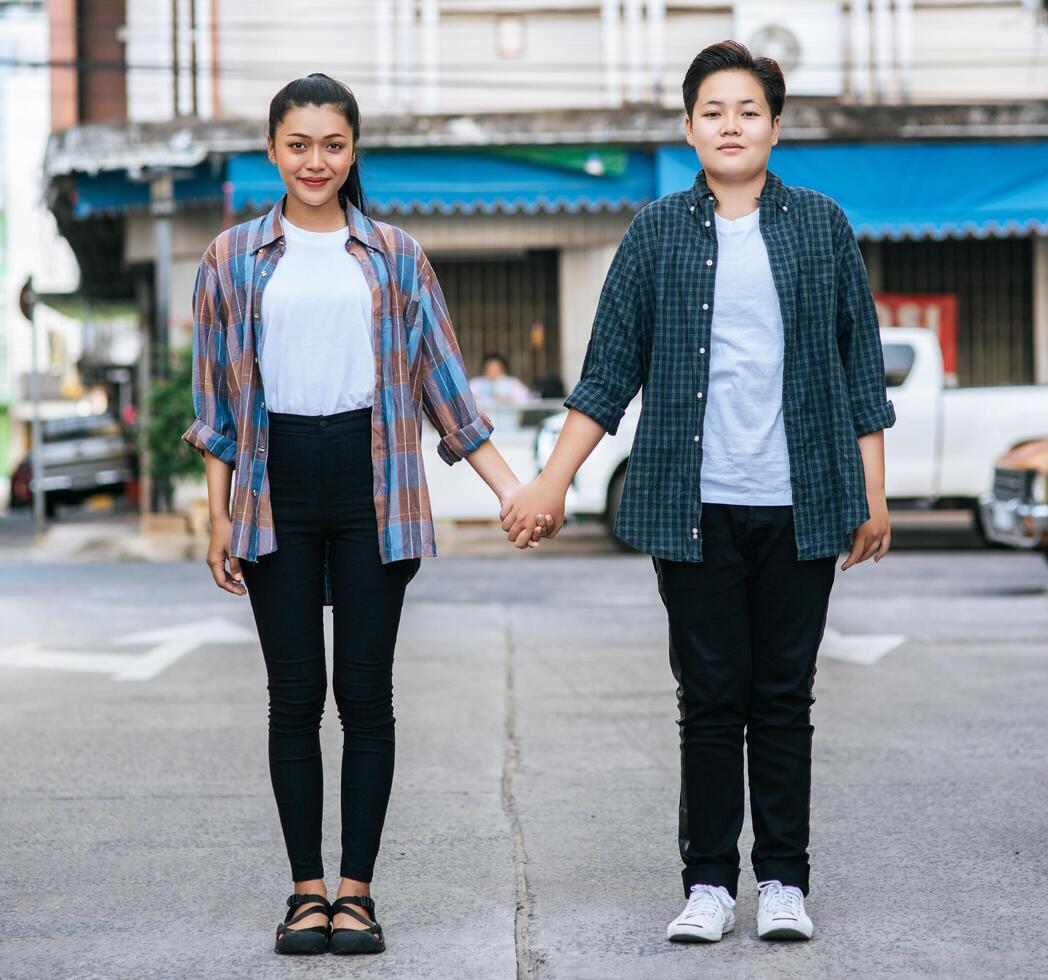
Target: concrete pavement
[{"x": 532, "y": 827}]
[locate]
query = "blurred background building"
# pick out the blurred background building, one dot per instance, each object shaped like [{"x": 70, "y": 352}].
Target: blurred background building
[{"x": 516, "y": 140}]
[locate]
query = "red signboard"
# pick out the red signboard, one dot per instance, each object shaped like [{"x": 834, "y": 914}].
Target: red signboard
[{"x": 937, "y": 313}]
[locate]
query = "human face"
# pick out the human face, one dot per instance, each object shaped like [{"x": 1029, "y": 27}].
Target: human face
[
  {"x": 731, "y": 126},
  {"x": 493, "y": 369},
  {"x": 314, "y": 152}
]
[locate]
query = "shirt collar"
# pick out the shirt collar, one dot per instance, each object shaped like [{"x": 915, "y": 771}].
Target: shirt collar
[
  {"x": 360, "y": 227},
  {"x": 774, "y": 190}
]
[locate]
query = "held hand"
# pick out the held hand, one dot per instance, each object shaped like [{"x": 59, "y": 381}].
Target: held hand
[
  {"x": 872, "y": 539},
  {"x": 536, "y": 507},
  {"x": 218, "y": 555},
  {"x": 524, "y": 539}
]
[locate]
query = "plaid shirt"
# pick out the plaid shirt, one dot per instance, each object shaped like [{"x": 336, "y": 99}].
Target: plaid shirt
[
  {"x": 655, "y": 315},
  {"x": 418, "y": 368}
]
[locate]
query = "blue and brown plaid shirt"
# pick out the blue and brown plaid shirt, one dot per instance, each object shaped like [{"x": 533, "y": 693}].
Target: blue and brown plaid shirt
[
  {"x": 653, "y": 323},
  {"x": 418, "y": 367}
]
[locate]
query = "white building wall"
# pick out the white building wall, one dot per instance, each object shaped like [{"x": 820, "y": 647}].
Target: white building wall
[
  {"x": 985, "y": 53},
  {"x": 32, "y": 245},
  {"x": 150, "y": 81},
  {"x": 448, "y": 56}
]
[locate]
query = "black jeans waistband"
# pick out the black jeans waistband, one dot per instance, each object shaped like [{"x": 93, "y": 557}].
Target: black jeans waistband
[{"x": 286, "y": 420}]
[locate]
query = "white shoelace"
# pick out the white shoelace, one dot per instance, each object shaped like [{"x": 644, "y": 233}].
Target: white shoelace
[
  {"x": 702, "y": 902},
  {"x": 780, "y": 900}
]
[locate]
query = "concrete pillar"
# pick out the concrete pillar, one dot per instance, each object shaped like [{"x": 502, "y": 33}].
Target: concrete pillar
[
  {"x": 859, "y": 50},
  {"x": 1040, "y": 309},
  {"x": 407, "y": 62},
  {"x": 582, "y": 272},
  {"x": 656, "y": 47},
  {"x": 611, "y": 51},
  {"x": 882, "y": 47},
  {"x": 430, "y": 54},
  {"x": 384, "y": 54}
]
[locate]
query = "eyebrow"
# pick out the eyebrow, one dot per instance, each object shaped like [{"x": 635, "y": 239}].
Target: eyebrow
[
  {"x": 740, "y": 102},
  {"x": 329, "y": 135}
]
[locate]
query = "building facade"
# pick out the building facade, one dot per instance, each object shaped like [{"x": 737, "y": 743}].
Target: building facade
[{"x": 516, "y": 140}]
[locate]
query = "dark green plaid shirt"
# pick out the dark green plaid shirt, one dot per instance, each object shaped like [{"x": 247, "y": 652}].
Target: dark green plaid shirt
[{"x": 654, "y": 316}]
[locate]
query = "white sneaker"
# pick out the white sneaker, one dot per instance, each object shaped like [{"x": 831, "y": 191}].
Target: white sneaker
[
  {"x": 707, "y": 916},
  {"x": 780, "y": 912}
]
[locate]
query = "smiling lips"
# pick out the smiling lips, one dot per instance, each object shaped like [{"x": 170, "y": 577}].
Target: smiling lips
[{"x": 314, "y": 181}]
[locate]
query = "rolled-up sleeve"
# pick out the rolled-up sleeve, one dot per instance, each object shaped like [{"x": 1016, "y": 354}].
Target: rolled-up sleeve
[
  {"x": 214, "y": 428},
  {"x": 446, "y": 396},
  {"x": 859, "y": 336},
  {"x": 617, "y": 354}
]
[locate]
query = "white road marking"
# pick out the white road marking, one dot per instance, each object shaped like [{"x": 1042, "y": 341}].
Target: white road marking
[
  {"x": 859, "y": 648},
  {"x": 167, "y": 645}
]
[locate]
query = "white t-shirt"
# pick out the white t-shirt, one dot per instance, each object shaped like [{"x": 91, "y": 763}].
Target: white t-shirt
[
  {"x": 744, "y": 455},
  {"x": 315, "y": 351}
]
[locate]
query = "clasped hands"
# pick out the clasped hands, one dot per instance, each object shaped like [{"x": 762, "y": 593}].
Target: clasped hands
[{"x": 532, "y": 511}]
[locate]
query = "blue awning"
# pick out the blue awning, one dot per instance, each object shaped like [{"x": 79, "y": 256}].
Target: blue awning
[
  {"x": 458, "y": 182},
  {"x": 909, "y": 190},
  {"x": 112, "y": 192}
]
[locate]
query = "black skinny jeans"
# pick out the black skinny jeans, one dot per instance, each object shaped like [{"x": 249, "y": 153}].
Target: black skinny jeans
[
  {"x": 321, "y": 484},
  {"x": 745, "y": 626}
]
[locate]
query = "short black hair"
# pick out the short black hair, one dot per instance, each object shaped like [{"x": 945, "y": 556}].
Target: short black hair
[
  {"x": 495, "y": 356},
  {"x": 733, "y": 56}
]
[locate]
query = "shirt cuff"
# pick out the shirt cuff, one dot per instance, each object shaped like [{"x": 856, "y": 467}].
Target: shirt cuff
[
  {"x": 591, "y": 401},
  {"x": 460, "y": 443},
  {"x": 201, "y": 436},
  {"x": 874, "y": 419}
]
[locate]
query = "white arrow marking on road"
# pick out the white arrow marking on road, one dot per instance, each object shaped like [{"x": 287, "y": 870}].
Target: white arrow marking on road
[
  {"x": 169, "y": 644},
  {"x": 859, "y": 648}
]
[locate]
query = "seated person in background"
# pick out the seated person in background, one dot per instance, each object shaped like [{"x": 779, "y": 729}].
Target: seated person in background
[{"x": 496, "y": 386}]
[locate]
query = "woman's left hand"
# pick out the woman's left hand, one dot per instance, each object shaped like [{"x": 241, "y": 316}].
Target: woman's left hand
[{"x": 872, "y": 539}]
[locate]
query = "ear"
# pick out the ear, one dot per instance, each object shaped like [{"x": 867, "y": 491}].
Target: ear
[
  {"x": 689, "y": 134},
  {"x": 270, "y": 150},
  {"x": 776, "y": 124}
]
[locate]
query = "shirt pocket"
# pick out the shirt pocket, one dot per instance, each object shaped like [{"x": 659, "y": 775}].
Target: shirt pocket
[{"x": 818, "y": 279}]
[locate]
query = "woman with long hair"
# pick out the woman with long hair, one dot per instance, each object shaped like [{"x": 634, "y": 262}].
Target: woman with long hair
[{"x": 321, "y": 337}]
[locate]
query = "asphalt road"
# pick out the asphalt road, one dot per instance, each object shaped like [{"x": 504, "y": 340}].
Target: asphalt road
[{"x": 532, "y": 827}]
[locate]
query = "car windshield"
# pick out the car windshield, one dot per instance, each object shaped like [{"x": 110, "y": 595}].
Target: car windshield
[{"x": 898, "y": 360}]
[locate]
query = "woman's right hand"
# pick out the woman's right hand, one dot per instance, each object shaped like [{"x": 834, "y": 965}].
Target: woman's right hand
[{"x": 231, "y": 580}]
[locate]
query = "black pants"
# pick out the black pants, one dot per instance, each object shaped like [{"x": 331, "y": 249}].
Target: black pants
[
  {"x": 321, "y": 484},
  {"x": 745, "y": 626}
]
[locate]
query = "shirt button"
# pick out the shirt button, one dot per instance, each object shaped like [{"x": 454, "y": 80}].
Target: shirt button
[
  {"x": 702, "y": 350},
  {"x": 707, "y": 224},
  {"x": 254, "y": 493},
  {"x": 692, "y": 208},
  {"x": 705, "y": 306},
  {"x": 708, "y": 262},
  {"x": 699, "y": 395},
  {"x": 694, "y": 530},
  {"x": 264, "y": 273},
  {"x": 695, "y": 439},
  {"x": 784, "y": 208}
]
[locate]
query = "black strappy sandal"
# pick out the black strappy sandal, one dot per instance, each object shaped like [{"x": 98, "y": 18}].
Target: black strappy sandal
[
  {"x": 367, "y": 940},
  {"x": 312, "y": 939}
]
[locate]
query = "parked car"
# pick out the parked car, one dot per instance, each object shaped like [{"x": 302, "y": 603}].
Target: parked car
[
  {"x": 82, "y": 456},
  {"x": 938, "y": 454},
  {"x": 1015, "y": 512}
]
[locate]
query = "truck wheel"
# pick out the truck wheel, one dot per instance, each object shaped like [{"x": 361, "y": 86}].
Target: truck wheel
[{"x": 618, "y": 481}]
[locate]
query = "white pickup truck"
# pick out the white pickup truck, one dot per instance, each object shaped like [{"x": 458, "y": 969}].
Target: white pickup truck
[{"x": 940, "y": 452}]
